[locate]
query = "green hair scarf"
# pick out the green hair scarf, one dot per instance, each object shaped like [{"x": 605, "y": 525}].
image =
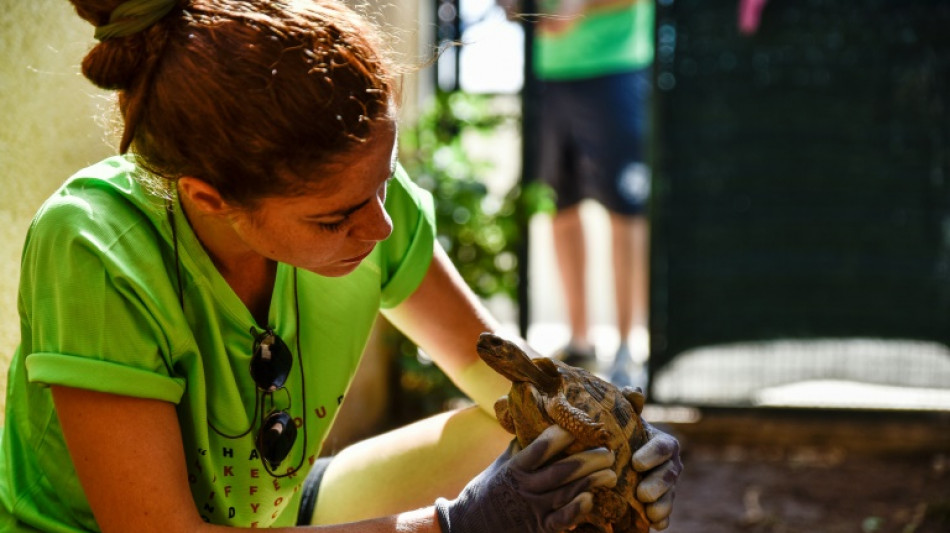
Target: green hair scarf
[{"x": 132, "y": 17}]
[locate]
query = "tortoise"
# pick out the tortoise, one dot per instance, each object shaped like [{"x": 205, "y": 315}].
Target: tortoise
[{"x": 546, "y": 391}]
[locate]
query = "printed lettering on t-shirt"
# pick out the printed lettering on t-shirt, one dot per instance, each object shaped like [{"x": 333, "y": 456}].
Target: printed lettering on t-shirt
[{"x": 246, "y": 494}]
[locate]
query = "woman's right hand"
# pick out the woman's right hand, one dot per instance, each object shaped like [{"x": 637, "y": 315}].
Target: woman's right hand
[{"x": 521, "y": 493}]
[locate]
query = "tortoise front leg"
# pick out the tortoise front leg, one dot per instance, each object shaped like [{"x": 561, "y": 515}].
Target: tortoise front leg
[{"x": 576, "y": 422}]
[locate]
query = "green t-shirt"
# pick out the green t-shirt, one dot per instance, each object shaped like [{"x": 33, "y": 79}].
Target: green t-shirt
[
  {"x": 602, "y": 42},
  {"x": 99, "y": 310}
]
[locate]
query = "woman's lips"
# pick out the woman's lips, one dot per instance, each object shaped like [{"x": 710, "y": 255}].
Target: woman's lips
[{"x": 358, "y": 258}]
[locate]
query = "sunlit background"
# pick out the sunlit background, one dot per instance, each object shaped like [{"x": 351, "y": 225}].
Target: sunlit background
[{"x": 800, "y": 230}]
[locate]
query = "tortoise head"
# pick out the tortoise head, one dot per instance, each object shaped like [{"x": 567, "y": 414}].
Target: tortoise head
[{"x": 506, "y": 358}]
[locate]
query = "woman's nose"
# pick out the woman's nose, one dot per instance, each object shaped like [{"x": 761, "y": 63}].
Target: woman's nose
[{"x": 375, "y": 224}]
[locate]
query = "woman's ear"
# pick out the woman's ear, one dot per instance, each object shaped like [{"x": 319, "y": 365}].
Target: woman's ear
[{"x": 202, "y": 195}]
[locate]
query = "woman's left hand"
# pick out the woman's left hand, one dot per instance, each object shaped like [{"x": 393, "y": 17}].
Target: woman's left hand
[{"x": 659, "y": 460}]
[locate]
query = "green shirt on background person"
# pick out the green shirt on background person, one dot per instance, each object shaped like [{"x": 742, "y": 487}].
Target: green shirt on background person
[{"x": 604, "y": 39}]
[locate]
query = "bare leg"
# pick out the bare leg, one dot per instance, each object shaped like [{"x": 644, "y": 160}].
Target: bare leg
[
  {"x": 409, "y": 467},
  {"x": 570, "y": 251},
  {"x": 630, "y": 245},
  {"x": 630, "y": 236}
]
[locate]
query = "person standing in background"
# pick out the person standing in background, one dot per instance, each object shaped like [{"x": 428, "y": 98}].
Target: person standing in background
[{"x": 593, "y": 60}]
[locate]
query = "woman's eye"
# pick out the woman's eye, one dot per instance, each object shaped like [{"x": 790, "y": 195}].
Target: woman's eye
[{"x": 331, "y": 226}]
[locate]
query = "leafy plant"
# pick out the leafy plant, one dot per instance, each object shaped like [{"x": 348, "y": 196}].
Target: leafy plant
[{"x": 481, "y": 234}]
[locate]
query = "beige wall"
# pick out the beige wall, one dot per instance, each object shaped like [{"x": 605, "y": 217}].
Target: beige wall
[{"x": 53, "y": 121}]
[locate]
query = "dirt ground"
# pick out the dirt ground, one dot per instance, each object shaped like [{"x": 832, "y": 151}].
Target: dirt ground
[
  {"x": 834, "y": 487},
  {"x": 810, "y": 491}
]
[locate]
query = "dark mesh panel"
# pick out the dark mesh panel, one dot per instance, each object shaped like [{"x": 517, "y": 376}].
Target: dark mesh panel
[{"x": 801, "y": 174}]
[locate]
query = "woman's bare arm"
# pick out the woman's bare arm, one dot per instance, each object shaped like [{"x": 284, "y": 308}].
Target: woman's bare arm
[
  {"x": 444, "y": 317},
  {"x": 129, "y": 456}
]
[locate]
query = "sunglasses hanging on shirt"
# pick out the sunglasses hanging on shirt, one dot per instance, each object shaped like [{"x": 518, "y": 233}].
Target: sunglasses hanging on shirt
[
  {"x": 270, "y": 366},
  {"x": 271, "y": 363}
]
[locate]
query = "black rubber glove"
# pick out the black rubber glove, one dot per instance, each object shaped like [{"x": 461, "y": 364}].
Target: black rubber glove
[
  {"x": 658, "y": 460},
  {"x": 520, "y": 493}
]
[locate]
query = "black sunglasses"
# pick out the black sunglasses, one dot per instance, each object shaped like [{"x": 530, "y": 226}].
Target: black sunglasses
[
  {"x": 271, "y": 361},
  {"x": 270, "y": 365}
]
